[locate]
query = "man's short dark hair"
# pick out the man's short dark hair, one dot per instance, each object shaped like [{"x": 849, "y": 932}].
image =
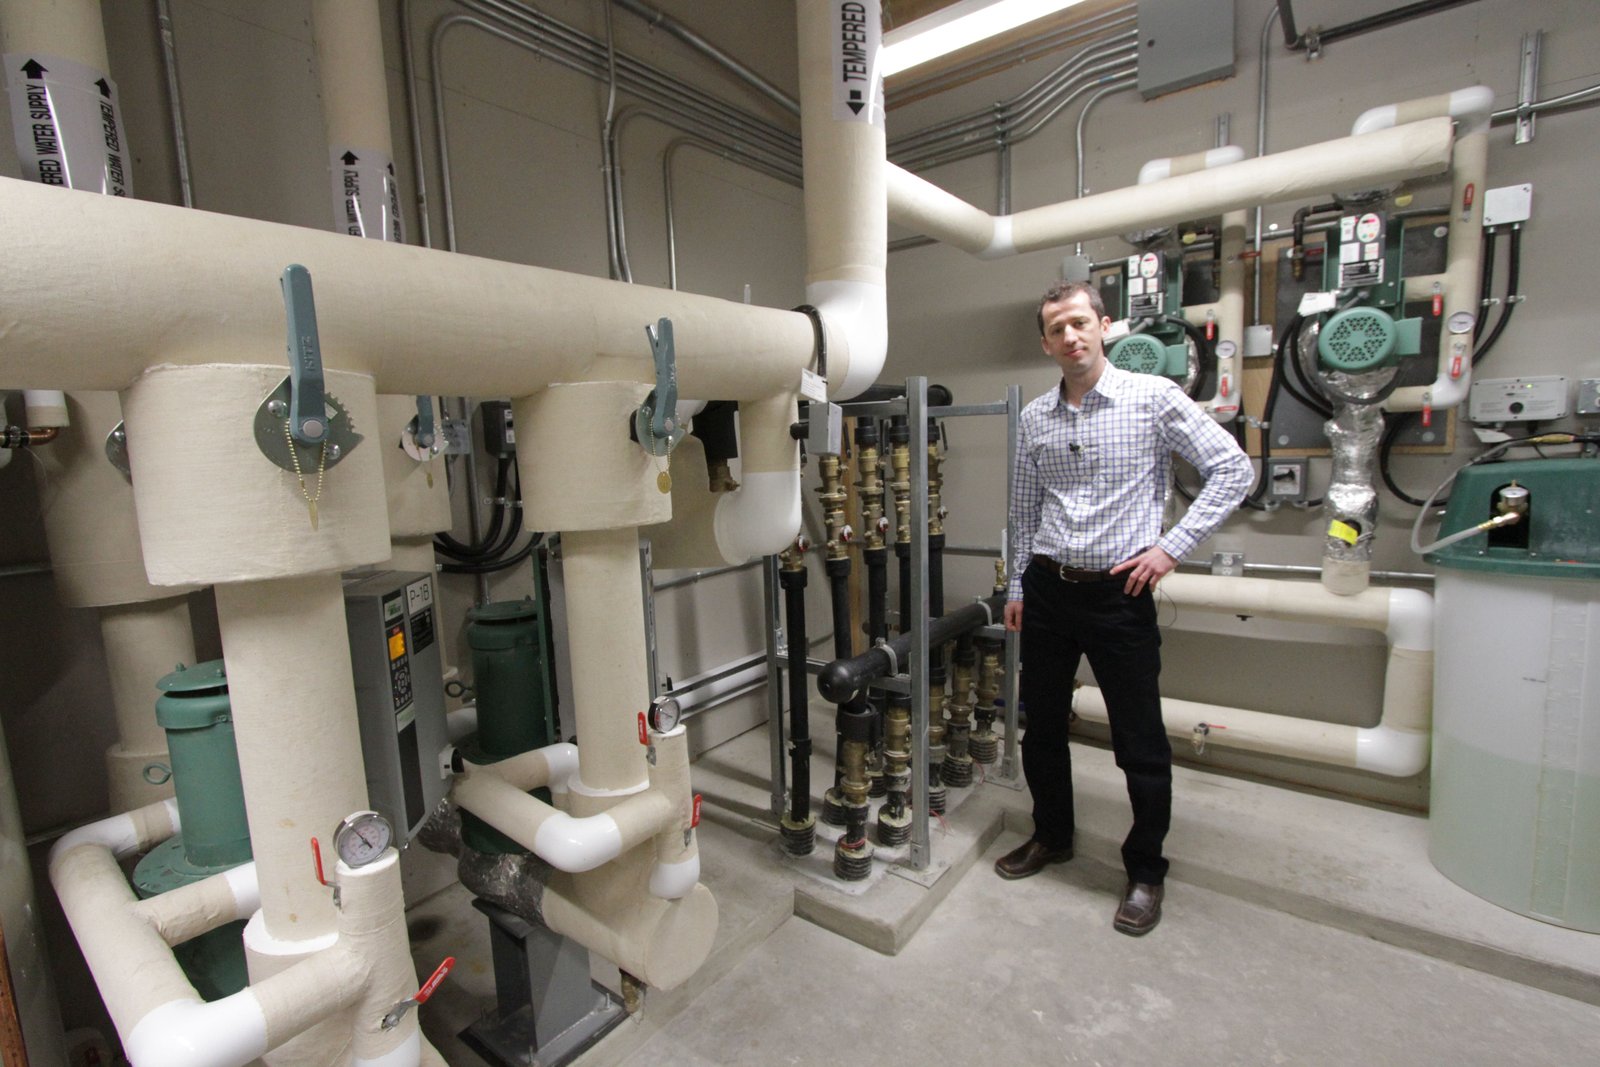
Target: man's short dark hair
[{"x": 1061, "y": 291}]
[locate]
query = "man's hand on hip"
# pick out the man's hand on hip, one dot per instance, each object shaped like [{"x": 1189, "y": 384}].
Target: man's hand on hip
[
  {"x": 1013, "y": 616},
  {"x": 1145, "y": 569}
]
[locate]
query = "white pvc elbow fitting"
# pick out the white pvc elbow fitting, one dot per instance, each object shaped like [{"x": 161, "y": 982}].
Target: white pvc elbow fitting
[
  {"x": 859, "y": 313},
  {"x": 759, "y": 519}
]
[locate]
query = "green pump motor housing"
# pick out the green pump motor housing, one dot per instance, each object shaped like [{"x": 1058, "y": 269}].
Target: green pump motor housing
[
  {"x": 1372, "y": 335},
  {"x": 195, "y": 712},
  {"x": 1152, "y": 287}
]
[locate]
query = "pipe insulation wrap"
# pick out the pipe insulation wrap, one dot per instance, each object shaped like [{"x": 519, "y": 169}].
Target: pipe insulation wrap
[
  {"x": 70, "y": 29},
  {"x": 213, "y": 509},
  {"x": 185, "y": 913},
  {"x": 553, "y": 766},
  {"x": 760, "y": 518},
  {"x": 96, "y": 557},
  {"x": 1408, "y": 151},
  {"x": 670, "y": 881},
  {"x": 579, "y": 469},
  {"x": 1157, "y": 169},
  {"x": 846, "y": 209},
  {"x": 44, "y": 408},
  {"x": 1473, "y": 104},
  {"x": 606, "y": 638},
  {"x": 348, "y": 38},
  {"x": 1351, "y": 502},
  {"x": 126, "y": 834},
  {"x": 292, "y": 725},
  {"x": 194, "y": 284}
]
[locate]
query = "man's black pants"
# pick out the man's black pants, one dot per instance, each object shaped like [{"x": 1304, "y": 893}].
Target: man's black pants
[{"x": 1061, "y": 623}]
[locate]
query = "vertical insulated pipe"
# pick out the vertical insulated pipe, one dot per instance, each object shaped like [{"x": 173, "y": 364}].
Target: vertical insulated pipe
[
  {"x": 299, "y": 748},
  {"x": 605, "y": 630},
  {"x": 143, "y": 643}
]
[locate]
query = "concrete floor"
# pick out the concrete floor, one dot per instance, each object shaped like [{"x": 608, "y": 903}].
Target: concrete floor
[{"x": 1298, "y": 928}]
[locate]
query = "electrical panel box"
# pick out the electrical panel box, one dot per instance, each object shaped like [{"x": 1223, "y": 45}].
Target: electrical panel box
[
  {"x": 1185, "y": 42},
  {"x": 1589, "y": 396},
  {"x": 1286, "y": 480},
  {"x": 499, "y": 433},
  {"x": 394, "y": 655},
  {"x": 1517, "y": 399},
  {"x": 1508, "y": 204}
]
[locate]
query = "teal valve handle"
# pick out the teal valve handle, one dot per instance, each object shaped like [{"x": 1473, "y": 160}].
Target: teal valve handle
[
  {"x": 664, "y": 404},
  {"x": 308, "y": 410},
  {"x": 425, "y": 430}
]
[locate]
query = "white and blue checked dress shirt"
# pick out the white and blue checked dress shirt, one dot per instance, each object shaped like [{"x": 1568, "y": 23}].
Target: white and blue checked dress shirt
[{"x": 1090, "y": 482}]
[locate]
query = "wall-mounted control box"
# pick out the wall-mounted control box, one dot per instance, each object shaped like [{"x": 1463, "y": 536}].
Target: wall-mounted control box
[
  {"x": 1286, "y": 480},
  {"x": 1518, "y": 399},
  {"x": 1589, "y": 396},
  {"x": 394, "y": 655}
]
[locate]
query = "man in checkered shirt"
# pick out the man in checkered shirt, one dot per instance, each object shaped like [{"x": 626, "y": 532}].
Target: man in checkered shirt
[{"x": 1087, "y": 550}]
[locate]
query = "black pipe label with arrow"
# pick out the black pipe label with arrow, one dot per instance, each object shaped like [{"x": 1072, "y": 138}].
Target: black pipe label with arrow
[{"x": 68, "y": 124}]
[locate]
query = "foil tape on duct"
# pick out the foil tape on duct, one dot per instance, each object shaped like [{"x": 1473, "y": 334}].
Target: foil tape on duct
[{"x": 1351, "y": 506}]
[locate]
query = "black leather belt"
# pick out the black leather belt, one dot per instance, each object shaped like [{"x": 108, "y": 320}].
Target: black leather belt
[{"x": 1072, "y": 574}]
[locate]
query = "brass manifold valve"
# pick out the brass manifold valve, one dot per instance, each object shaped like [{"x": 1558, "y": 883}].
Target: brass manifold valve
[
  {"x": 900, "y": 483},
  {"x": 957, "y": 768},
  {"x": 936, "y": 509},
  {"x": 983, "y": 746},
  {"x": 869, "y": 486},
  {"x": 832, "y": 495},
  {"x": 894, "y": 818}
]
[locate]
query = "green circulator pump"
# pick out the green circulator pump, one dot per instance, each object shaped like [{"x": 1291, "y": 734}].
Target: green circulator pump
[
  {"x": 203, "y": 763},
  {"x": 1365, "y": 261},
  {"x": 511, "y": 683}
]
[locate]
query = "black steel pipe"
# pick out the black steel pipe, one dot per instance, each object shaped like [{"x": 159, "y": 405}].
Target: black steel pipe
[
  {"x": 794, "y": 603},
  {"x": 877, "y": 594},
  {"x": 903, "y": 550},
  {"x": 1299, "y": 42},
  {"x": 843, "y": 678}
]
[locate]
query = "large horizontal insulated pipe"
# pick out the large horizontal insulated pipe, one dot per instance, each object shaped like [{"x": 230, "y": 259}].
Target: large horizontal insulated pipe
[
  {"x": 1397, "y": 746},
  {"x": 844, "y": 161},
  {"x": 1410, "y": 151},
  {"x": 1471, "y": 108},
  {"x": 193, "y": 287},
  {"x": 844, "y": 678}
]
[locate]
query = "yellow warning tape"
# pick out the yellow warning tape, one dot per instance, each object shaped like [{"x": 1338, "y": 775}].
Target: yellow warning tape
[{"x": 1343, "y": 531}]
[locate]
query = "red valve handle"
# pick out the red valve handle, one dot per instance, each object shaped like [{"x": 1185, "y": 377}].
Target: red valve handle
[
  {"x": 694, "y": 817},
  {"x": 1211, "y": 329},
  {"x": 1468, "y": 195},
  {"x": 644, "y": 731},
  {"x": 434, "y": 980},
  {"x": 1427, "y": 414},
  {"x": 316, "y": 857},
  {"x": 1438, "y": 304}
]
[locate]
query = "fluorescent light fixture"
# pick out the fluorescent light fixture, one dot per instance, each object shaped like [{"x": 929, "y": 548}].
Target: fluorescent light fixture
[{"x": 962, "y": 23}]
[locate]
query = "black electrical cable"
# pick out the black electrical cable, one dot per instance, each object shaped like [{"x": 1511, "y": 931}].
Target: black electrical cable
[
  {"x": 1268, "y": 407},
  {"x": 489, "y": 567},
  {"x": 1513, "y": 280},
  {"x": 1512, "y": 299},
  {"x": 487, "y": 543}
]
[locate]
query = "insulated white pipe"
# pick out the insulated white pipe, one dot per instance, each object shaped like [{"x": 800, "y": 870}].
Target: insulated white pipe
[
  {"x": 185, "y": 913},
  {"x": 143, "y": 643},
  {"x": 194, "y": 285},
  {"x": 1397, "y": 746},
  {"x": 843, "y": 164},
  {"x": 605, "y": 632},
  {"x": 1409, "y": 151},
  {"x": 1471, "y": 108},
  {"x": 763, "y": 515},
  {"x": 565, "y": 842},
  {"x": 1227, "y": 313},
  {"x": 294, "y": 718}
]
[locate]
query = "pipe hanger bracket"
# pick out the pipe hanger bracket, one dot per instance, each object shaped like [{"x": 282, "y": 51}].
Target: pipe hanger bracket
[{"x": 655, "y": 425}]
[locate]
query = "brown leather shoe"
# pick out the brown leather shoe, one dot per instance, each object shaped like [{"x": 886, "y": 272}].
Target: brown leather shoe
[
  {"x": 1030, "y": 858},
  {"x": 1140, "y": 909}
]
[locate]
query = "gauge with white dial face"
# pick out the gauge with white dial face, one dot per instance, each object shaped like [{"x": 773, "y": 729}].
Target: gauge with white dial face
[
  {"x": 1460, "y": 322},
  {"x": 1226, "y": 349},
  {"x": 362, "y": 838}
]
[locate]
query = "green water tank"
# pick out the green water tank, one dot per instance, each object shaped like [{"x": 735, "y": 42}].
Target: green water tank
[{"x": 1515, "y": 806}]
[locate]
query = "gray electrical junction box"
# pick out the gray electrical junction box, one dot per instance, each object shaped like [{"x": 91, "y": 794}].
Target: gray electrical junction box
[{"x": 394, "y": 655}]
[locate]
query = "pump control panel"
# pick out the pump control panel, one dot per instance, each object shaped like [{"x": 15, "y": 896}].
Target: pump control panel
[
  {"x": 1518, "y": 399},
  {"x": 394, "y": 655}
]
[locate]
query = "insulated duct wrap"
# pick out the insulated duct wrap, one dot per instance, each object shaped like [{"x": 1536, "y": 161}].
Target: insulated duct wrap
[
  {"x": 213, "y": 508},
  {"x": 1351, "y": 504}
]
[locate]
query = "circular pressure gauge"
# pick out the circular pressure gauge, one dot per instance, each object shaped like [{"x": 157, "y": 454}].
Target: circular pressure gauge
[
  {"x": 1226, "y": 349},
  {"x": 665, "y": 714},
  {"x": 362, "y": 838},
  {"x": 1460, "y": 322}
]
